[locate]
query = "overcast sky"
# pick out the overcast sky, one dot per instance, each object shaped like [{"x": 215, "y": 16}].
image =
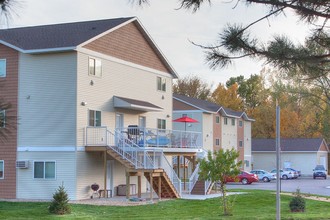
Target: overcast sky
[{"x": 171, "y": 29}]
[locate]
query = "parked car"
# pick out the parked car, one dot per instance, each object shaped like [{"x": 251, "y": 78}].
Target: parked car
[
  {"x": 284, "y": 174},
  {"x": 264, "y": 175},
  {"x": 296, "y": 173},
  {"x": 319, "y": 171},
  {"x": 244, "y": 177}
]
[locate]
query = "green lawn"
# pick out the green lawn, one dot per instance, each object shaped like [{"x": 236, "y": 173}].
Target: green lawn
[{"x": 255, "y": 204}]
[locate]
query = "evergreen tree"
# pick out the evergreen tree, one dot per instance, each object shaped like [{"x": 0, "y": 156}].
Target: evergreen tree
[{"x": 60, "y": 203}]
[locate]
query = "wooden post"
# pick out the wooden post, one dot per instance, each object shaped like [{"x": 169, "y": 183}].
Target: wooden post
[
  {"x": 184, "y": 173},
  {"x": 139, "y": 186},
  {"x": 151, "y": 185},
  {"x": 160, "y": 187},
  {"x": 105, "y": 174},
  {"x": 127, "y": 185}
]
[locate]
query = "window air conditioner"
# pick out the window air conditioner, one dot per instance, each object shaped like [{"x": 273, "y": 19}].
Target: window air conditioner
[{"x": 22, "y": 164}]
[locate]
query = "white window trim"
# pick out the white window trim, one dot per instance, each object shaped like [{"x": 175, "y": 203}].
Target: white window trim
[
  {"x": 225, "y": 121},
  {"x": 3, "y": 170},
  {"x": 216, "y": 118},
  {"x": 5, "y": 74},
  {"x": 161, "y": 84},
  {"x": 233, "y": 121},
  {"x": 240, "y": 123},
  {"x": 239, "y": 143},
  {"x": 95, "y": 60},
  {"x": 217, "y": 140},
  {"x": 44, "y": 161},
  {"x": 162, "y": 120}
]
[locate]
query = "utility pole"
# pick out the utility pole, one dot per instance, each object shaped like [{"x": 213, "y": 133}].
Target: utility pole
[{"x": 278, "y": 174}]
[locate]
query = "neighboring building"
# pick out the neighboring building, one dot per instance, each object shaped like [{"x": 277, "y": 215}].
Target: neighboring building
[
  {"x": 220, "y": 127},
  {"x": 299, "y": 153},
  {"x": 85, "y": 94}
]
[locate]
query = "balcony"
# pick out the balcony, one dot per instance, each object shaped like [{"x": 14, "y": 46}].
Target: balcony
[{"x": 146, "y": 137}]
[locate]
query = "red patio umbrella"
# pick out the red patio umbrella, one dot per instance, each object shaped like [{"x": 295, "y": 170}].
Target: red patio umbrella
[{"x": 185, "y": 119}]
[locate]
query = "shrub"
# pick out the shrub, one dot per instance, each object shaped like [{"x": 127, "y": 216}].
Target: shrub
[
  {"x": 297, "y": 203},
  {"x": 60, "y": 203}
]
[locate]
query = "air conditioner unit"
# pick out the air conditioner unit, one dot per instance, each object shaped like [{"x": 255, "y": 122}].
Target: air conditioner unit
[{"x": 24, "y": 164}]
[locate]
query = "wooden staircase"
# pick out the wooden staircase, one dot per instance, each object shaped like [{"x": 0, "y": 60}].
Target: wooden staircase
[
  {"x": 120, "y": 159},
  {"x": 199, "y": 188},
  {"x": 162, "y": 184}
]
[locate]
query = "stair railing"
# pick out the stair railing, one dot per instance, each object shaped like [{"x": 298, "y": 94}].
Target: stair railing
[{"x": 193, "y": 179}]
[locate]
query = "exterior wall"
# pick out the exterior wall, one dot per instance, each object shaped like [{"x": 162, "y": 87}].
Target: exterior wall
[
  {"x": 229, "y": 134},
  {"x": 247, "y": 145},
  {"x": 240, "y": 137},
  {"x": 30, "y": 188},
  {"x": 47, "y": 100},
  {"x": 8, "y": 147},
  {"x": 122, "y": 80},
  {"x": 267, "y": 161},
  {"x": 208, "y": 131},
  {"x": 217, "y": 131},
  {"x": 128, "y": 43},
  {"x": 91, "y": 171}
]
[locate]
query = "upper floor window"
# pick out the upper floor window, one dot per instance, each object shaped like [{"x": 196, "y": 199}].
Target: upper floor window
[
  {"x": 240, "y": 123},
  {"x": 217, "y": 119},
  {"x": 94, "y": 118},
  {"x": 1, "y": 169},
  {"x": 225, "y": 121},
  {"x": 44, "y": 170},
  {"x": 241, "y": 143},
  {"x": 217, "y": 142},
  {"x": 161, "y": 84},
  {"x": 233, "y": 121},
  {"x": 3, "y": 68},
  {"x": 95, "y": 67},
  {"x": 2, "y": 118},
  {"x": 161, "y": 123}
]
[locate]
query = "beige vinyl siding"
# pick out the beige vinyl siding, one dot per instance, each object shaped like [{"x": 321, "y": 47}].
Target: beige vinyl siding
[
  {"x": 47, "y": 100},
  {"x": 124, "y": 81},
  {"x": 247, "y": 144},
  {"x": 30, "y": 188},
  {"x": 207, "y": 132},
  {"x": 229, "y": 134}
]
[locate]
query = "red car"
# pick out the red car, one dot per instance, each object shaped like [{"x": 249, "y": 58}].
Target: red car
[{"x": 244, "y": 177}]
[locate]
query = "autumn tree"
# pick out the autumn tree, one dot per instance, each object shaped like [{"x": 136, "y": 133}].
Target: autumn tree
[
  {"x": 217, "y": 167},
  {"x": 227, "y": 97},
  {"x": 192, "y": 86}
]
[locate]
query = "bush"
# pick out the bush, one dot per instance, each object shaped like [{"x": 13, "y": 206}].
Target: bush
[
  {"x": 297, "y": 203},
  {"x": 60, "y": 203}
]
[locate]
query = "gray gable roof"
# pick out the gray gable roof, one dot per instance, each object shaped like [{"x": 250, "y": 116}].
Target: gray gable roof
[
  {"x": 57, "y": 35},
  {"x": 287, "y": 144},
  {"x": 198, "y": 103},
  {"x": 210, "y": 107}
]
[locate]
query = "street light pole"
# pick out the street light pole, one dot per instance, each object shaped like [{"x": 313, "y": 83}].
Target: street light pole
[{"x": 278, "y": 174}]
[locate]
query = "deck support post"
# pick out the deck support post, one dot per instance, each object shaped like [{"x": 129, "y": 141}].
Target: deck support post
[
  {"x": 151, "y": 185},
  {"x": 139, "y": 186},
  {"x": 127, "y": 185},
  {"x": 160, "y": 187},
  {"x": 105, "y": 173}
]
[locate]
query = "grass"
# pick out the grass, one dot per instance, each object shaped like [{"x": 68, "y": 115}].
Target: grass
[{"x": 256, "y": 204}]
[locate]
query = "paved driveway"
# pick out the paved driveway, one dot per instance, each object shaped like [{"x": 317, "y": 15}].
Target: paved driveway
[{"x": 305, "y": 184}]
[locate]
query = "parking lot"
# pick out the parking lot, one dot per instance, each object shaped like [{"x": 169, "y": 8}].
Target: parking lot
[{"x": 305, "y": 184}]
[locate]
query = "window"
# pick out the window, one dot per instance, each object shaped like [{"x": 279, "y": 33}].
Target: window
[
  {"x": 95, "y": 67},
  {"x": 161, "y": 123},
  {"x": 1, "y": 169},
  {"x": 217, "y": 119},
  {"x": 225, "y": 121},
  {"x": 94, "y": 118},
  {"x": 44, "y": 170},
  {"x": 240, "y": 123},
  {"x": 3, "y": 68},
  {"x": 247, "y": 163},
  {"x": 2, "y": 118},
  {"x": 161, "y": 84},
  {"x": 233, "y": 121},
  {"x": 241, "y": 143},
  {"x": 217, "y": 142}
]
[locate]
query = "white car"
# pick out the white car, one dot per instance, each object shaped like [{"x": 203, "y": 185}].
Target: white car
[
  {"x": 264, "y": 176},
  {"x": 285, "y": 174}
]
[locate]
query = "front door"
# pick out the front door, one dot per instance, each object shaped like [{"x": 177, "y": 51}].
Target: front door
[
  {"x": 119, "y": 120},
  {"x": 110, "y": 165}
]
